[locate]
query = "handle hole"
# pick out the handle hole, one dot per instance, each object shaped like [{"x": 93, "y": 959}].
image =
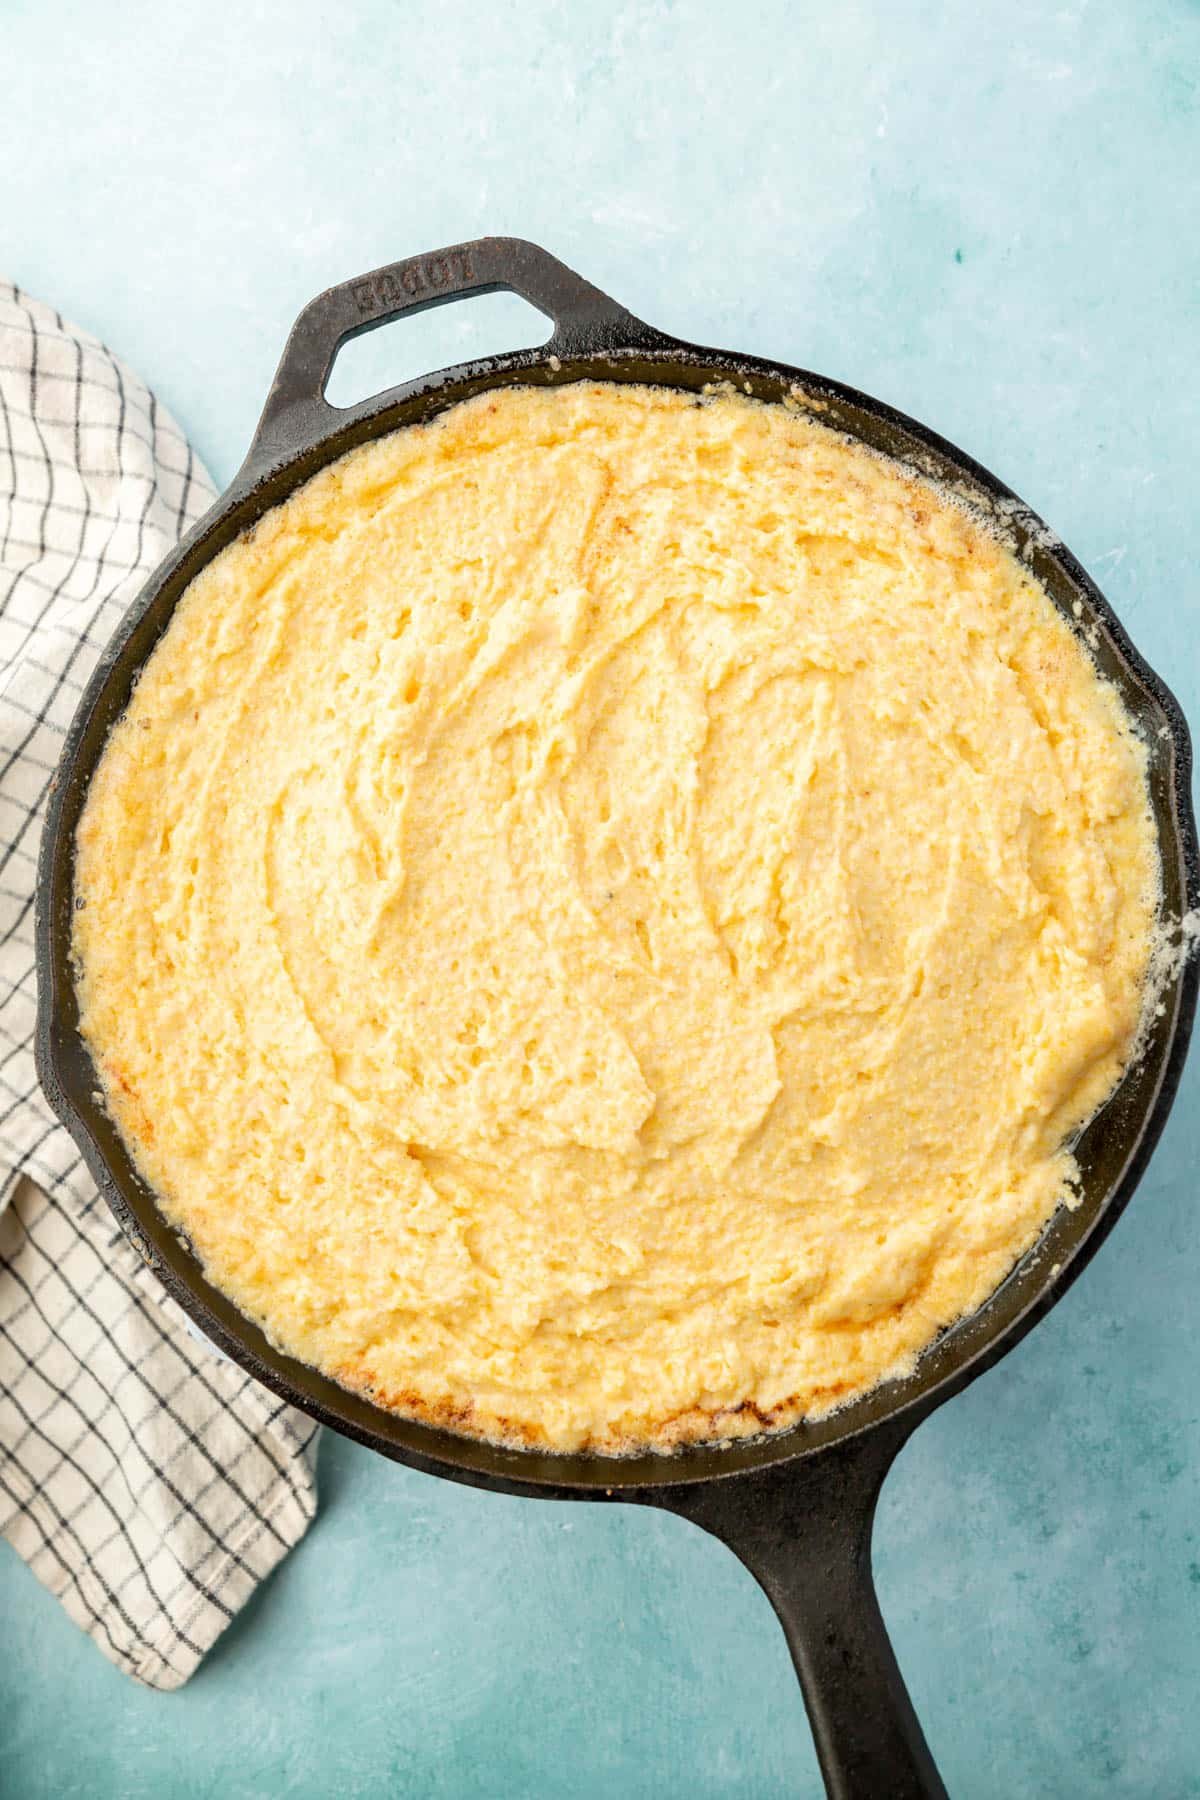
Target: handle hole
[{"x": 476, "y": 325}]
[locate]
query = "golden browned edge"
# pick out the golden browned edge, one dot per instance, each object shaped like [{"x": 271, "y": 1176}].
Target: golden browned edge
[{"x": 693, "y": 1426}]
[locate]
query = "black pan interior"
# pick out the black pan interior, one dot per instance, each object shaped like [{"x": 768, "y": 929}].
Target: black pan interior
[{"x": 1112, "y": 1151}]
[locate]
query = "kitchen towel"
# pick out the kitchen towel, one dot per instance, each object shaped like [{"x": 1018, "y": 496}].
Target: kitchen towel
[{"x": 148, "y": 1482}]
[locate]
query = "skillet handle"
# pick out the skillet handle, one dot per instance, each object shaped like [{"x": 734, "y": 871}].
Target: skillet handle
[
  {"x": 803, "y": 1530},
  {"x": 586, "y": 323}
]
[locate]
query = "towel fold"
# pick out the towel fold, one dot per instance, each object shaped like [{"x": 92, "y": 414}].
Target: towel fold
[{"x": 148, "y": 1482}]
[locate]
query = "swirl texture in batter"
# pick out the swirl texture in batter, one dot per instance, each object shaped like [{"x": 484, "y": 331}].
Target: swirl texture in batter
[{"x": 604, "y": 911}]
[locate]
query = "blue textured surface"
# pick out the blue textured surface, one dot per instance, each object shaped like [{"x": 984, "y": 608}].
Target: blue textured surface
[{"x": 984, "y": 213}]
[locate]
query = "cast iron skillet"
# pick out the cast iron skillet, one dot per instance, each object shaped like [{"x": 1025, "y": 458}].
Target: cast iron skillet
[{"x": 797, "y": 1507}]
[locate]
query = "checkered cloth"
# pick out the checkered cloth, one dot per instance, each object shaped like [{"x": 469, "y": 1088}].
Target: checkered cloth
[{"x": 146, "y": 1481}]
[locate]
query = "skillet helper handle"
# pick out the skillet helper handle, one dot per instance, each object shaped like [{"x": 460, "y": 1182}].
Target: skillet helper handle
[
  {"x": 804, "y": 1531},
  {"x": 586, "y": 323}
]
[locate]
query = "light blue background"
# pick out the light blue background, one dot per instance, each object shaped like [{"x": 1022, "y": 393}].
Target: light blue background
[{"x": 984, "y": 213}]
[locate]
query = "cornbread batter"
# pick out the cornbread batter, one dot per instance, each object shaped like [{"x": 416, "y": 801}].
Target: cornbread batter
[{"x": 604, "y": 911}]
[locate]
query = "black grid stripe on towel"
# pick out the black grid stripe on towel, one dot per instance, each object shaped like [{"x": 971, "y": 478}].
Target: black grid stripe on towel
[{"x": 147, "y": 1482}]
